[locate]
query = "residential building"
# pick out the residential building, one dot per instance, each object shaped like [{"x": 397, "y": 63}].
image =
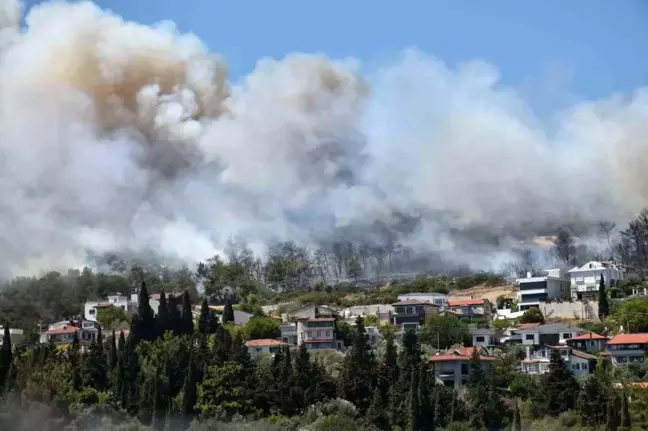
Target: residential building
[
  {"x": 580, "y": 363},
  {"x": 310, "y": 311},
  {"x": 484, "y": 337},
  {"x": 589, "y": 342},
  {"x": 470, "y": 307},
  {"x": 453, "y": 366},
  {"x": 382, "y": 312},
  {"x": 265, "y": 346},
  {"x": 289, "y": 333},
  {"x": 534, "y": 290},
  {"x": 92, "y": 308},
  {"x": 431, "y": 297},
  {"x": 585, "y": 279},
  {"x": 626, "y": 348},
  {"x": 318, "y": 333},
  {"x": 550, "y": 334},
  {"x": 63, "y": 332},
  {"x": 411, "y": 314},
  {"x": 17, "y": 336}
]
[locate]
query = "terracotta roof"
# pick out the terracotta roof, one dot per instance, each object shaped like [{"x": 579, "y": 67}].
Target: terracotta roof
[
  {"x": 530, "y": 361},
  {"x": 590, "y": 336},
  {"x": 64, "y": 330},
  {"x": 413, "y": 302},
  {"x": 629, "y": 339},
  {"x": 464, "y": 302},
  {"x": 441, "y": 358},
  {"x": 264, "y": 343},
  {"x": 582, "y": 355},
  {"x": 638, "y": 385},
  {"x": 467, "y": 351}
]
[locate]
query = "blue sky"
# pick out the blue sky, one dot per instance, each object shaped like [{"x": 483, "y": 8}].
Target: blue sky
[{"x": 594, "y": 47}]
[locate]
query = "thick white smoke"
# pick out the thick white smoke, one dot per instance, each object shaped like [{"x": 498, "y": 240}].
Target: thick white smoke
[{"x": 115, "y": 135}]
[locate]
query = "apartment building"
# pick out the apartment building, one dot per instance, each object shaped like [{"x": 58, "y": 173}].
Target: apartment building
[
  {"x": 534, "y": 290},
  {"x": 318, "y": 333}
]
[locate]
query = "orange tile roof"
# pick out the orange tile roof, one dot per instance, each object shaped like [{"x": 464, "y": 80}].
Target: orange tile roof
[
  {"x": 589, "y": 336},
  {"x": 442, "y": 358},
  {"x": 264, "y": 343},
  {"x": 467, "y": 351},
  {"x": 464, "y": 302},
  {"x": 629, "y": 339}
]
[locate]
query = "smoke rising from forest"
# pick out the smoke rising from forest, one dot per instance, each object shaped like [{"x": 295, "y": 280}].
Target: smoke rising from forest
[{"x": 117, "y": 136}]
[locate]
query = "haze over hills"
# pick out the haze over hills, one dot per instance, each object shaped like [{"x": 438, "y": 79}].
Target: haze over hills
[{"x": 118, "y": 137}]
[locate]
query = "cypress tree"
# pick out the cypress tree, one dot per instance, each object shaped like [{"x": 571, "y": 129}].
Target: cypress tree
[
  {"x": 304, "y": 385},
  {"x": 376, "y": 412},
  {"x": 143, "y": 325},
  {"x": 426, "y": 418},
  {"x": 122, "y": 342},
  {"x": 285, "y": 384},
  {"x": 189, "y": 389},
  {"x": 94, "y": 365},
  {"x": 160, "y": 399},
  {"x": 222, "y": 346},
  {"x": 613, "y": 419},
  {"x": 517, "y": 419},
  {"x": 113, "y": 355},
  {"x": 203, "y": 319},
  {"x": 359, "y": 370},
  {"x": 603, "y": 303},
  {"x": 175, "y": 319},
  {"x": 626, "y": 421},
  {"x": 162, "y": 320},
  {"x": 75, "y": 362},
  {"x": 228, "y": 312},
  {"x": 413, "y": 407},
  {"x": 6, "y": 357},
  {"x": 129, "y": 362},
  {"x": 187, "y": 315}
]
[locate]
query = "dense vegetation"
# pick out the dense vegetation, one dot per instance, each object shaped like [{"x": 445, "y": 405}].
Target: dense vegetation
[{"x": 170, "y": 373}]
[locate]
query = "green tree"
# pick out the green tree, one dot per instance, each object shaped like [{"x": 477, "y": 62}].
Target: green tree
[
  {"x": 190, "y": 390},
  {"x": 442, "y": 331},
  {"x": 6, "y": 356},
  {"x": 162, "y": 319},
  {"x": 353, "y": 268},
  {"x": 143, "y": 326},
  {"x": 204, "y": 318},
  {"x": 532, "y": 315},
  {"x": 74, "y": 359},
  {"x": 591, "y": 400},
  {"x": 626, "y": 420},
  {"x": 413, "y": 408},
  {"x": 228, "y": 312},
  {"x": 259, "y": 327},
  {"x": 603, "y": 302},
  {"x": 94, "y": 372},
  {"x": 187, "y": 315},
  {"x": 113, "y": 318},
  {"x": 222, "y": 394},
  {"x": 357, "y": 379},
  {"x": 517, "y": 419},
  {"x": 560, "y": 389}
]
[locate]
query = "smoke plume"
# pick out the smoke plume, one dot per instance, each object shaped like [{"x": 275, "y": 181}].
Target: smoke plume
[{"x": 119, "y": 136}]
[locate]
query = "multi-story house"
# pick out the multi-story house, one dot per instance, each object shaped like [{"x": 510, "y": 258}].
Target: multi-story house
[
  {"x": 469, "y": 307},
  {"x": 311, "y": 311},
  {"x": 265, "y": 346},
  {"x": 589, "y": 342},
  {"x": 289, "y": 333},
  {"x": 318, "y": 333},
  {"x": 581, "y": 363},
  {"x": 63, "y": 332},
  {"x": 92, "y": 308},
  {"x": 534, "y": 290},
  {"x": 485, "y": 337},
  {"x": 411, "y": 314},
  {"x": 585, "y": 279},
  {"x": 550, "y": 334},
  {"x": 431, "y": 297},
  {"x": 626, "y": 348},
  {"x": 453, "y": 366}
]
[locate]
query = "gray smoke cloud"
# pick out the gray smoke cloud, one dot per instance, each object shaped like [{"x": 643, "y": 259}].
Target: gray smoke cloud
[{"x": 119, "y": 136}]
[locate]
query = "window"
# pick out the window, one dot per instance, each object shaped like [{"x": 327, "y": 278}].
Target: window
[
  {"x": 566, "y": 335},
  {"x": 328, "y": 333},
  {"x": 576, "y": 366},
  {"x": 319, "y": 334},
  {"x": 91, "y": 311},
  {"x": 464, "y": 369},
  {"x": 529, "y": 337},
  {"x": 410, "y": 310},
  {"x": 310, "y": 334},
  {"x": 258, "y": 349},
  {"x": 479, "y": 339}
]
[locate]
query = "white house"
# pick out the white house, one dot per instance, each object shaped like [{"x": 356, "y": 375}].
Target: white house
[
  {"x": 265, "y": 346},
  {"x": 484, "y": 337},
  {"x": 17, "y": 336},
  {"x": 580, "y": 363},
  {"x": 585, "y": 279},
  {"x": 91, "y": 308},
  {"x": 534, "y": 290},
  {"x": 63, "y": 332},
  {"x": 551, "y": 334},
  {"x": 431, "y": 297}
]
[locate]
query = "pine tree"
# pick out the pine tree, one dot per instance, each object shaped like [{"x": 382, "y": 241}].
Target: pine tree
[
  {"x": 304, "y": 386},
  {"x": 560, "y": 386},
  {"x": 604, "y": 305},
  {"x": 228, "y": 312},
  {"x": 187, "y": 315},
  {"x": 376, "y": 412},
  {"x": 6, "y": 357}
]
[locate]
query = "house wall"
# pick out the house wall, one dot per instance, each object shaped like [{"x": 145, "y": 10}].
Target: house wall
[
  {"x": 435, "y": 298},
  {"x": 579, "y": 366},
  {"x": 590, "y": 346},
  {"x": 486, "y": 341},
  {"x": 571, "y": 310}
]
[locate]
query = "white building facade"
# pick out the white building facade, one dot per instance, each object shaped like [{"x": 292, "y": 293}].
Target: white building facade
[
  {"x": 534, "y": 290},
  {"x": 585, "y": 279}
]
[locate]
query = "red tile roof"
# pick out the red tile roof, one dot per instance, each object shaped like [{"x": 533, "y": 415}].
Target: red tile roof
[
  {"x": 589, "y": 336},
  {"x": 629, "y": 339},
  {"x": 464, "y": 302},
  {"x": 442, "y": 358},
  {"x": 63, "y": 330},
  {"x": 264, "y": 343}
]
